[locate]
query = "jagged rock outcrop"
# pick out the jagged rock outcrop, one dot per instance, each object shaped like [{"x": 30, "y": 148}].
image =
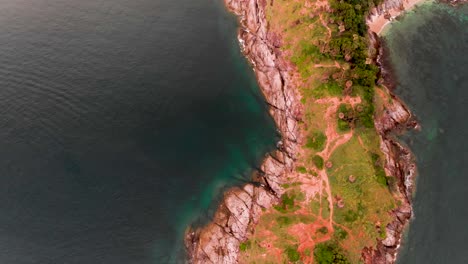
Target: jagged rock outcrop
[
  {"x": 455, "y": 2},
  {"x": 386, "y": 6},
  {"x": 399, "y": 163},
  {"x": 219, "y": 241}
]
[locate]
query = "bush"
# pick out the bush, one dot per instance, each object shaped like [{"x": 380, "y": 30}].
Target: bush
[
  {"x": 245, "y": 245},
  {"x": 381, "y": 178},
  {"x": 347, "y": 110},
  {"x": 331, "y": 88},
  {"x": 340, "y": 233},
  {"x": 292, "y": 253},
  {"x": 287, "y": 203},
  {"x": 380, "y": 174},
  {"x": 323, "y": 230},
  {"x": 283, "y": 221},
  {"x": 301, "y": 169},
  {"x": 318, "y": 161},
  {"x": 329, "y": 253},
  {"x": 350, "y": 216},
  {"x": 316, "y": 141},
  {"x": 365, "y": 118},
  {"x": 343, "y": 126}
]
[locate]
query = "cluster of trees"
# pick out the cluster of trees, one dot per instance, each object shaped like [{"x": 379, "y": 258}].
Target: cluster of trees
[
  {"x": 329, "y": 253},
  {"x": 352, "y": 13},
  {"x": 351, "y": 44},
  {"x": 361, "y": 116}
]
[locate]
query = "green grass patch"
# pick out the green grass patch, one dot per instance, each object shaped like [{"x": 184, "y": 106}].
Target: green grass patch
[
  {"x": 308, "y": 52},
  {"x": 316, "y": 141},
  {"x": 287, "y": 203},
  {"x": 328, "y": 89},
  {"x": 366, "y": 200}
]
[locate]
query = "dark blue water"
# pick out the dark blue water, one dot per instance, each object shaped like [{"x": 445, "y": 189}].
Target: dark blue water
[
  {"x": 120, "y": 123},
  {"x": 429, "y": 51}
]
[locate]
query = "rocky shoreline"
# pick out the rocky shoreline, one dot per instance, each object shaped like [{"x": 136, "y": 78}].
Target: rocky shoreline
[
  {"x": 241, "y": 207},
  {"x": 219, "y": 241}
]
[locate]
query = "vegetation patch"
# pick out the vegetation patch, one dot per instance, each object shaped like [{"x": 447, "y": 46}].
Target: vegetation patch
[
  {"x": 287, "y": 203},
  {"x": 365, "y": 199},
  {"x": 340, "y": 233},
  {"x": 322, "y": 230},
  {"x": 318, "y": 161},
  {"x": 346, "y": 117},
  {"x": 301, "y": 169},
  {"x": 316, "y": 141},
  {"x": 328, "y": 89},
  {"x": 245, "y": 245},
  {"x": 292, "y": 253},
  {"x": 329, "y": 253}
]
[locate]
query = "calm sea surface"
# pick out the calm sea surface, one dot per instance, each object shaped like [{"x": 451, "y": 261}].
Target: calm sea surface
[
  {"x": 120, "y": 124},
  {"x": 429, "y": 51}
]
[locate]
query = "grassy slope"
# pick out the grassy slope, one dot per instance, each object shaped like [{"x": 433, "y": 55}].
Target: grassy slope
[{"x": 300, "y": 227}]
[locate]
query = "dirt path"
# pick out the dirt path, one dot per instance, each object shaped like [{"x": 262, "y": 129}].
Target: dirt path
[
  {"x": 334, "y": 140},
  {"x": 306, "y": 234},
  {"x": 336, "y": 65}
]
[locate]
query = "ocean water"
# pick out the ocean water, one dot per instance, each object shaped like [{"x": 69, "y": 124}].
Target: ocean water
[
  {"x": 121, "y": 122},
  {"x": 429, "y": 52}
]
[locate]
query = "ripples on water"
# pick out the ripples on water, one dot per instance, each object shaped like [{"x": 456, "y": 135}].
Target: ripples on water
[
  {"x": 120, "y": 122},
  {"x": 428, "y": 49}
]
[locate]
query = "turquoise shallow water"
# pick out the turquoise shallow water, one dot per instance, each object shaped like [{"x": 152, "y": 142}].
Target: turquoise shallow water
[
  {"x": 121, "y": 123},
  {"x": 428, "y": 50}
]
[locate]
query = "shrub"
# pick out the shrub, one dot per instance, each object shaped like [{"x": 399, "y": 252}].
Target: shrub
[
  {"x": 287, "y": 203},
  {"x": 382, "y": 179},
  {"x": 292, "y": 253},
  {"x": 245, "y": 245},
  {"x": 365, "y": 118},
  {"x": 329, "y": 253},
  {"x": 283, "y": 221},
  {"x": 350, "y": 216},
  {"x": 343, "y": 125},
  {"x": 323, "y": 230},
  {"x": 380, "y": 174},
  {"x": 330, "y": 88},
  {"x": 301, "y": 169},
  {"x": 340, "y": 233},
  {"x": 318, "y": 161},
  {"x": 316, "y": 141}
]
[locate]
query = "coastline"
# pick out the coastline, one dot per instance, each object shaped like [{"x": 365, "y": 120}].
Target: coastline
[
  {"x": 382, "y": 16},
  {"x": 241, "y": 207}
]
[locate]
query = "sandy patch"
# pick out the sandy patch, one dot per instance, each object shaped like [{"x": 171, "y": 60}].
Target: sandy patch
[{"x": 378, "y": 22}]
